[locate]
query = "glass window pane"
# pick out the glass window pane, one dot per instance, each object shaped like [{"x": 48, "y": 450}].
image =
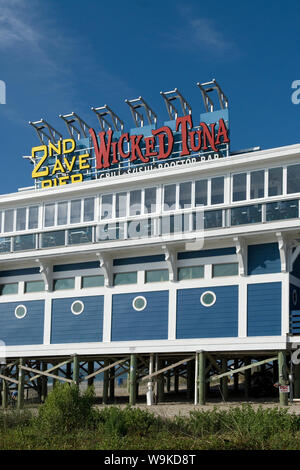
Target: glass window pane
[
  {"x": 34, "y": 286},
  {"x": 7, "y": 289},
  {"x": 282, "y": 210},
  {"x": 135, "y": 202},
  {"x": 75, "y": 213},
  {"x": 225, "y": 269},
  {"x": 80, "y": 235},
  {"x": 257, "y": 184},
  {"x": 106, "y": 206},
  {"x": 5, "y": 243},
  {"x": 21, "y": 219},
  {"x": 140, "y": 228},
  {"x": 201, "y": 193},
  {"x": 217, "y": 190},
  {"x": 185, "y": 195},
  {"x": 293, "y": 179},
  {"x": 239, "y": 183},
  {"x": 246, "y": 215},
  {"x": 170, "y": 197},
  {"x": 150, "y": 200},
  {"x": 88, "y": 215},
  {"x": 33, "y": 216},
  {"x": 212, "y": 219},
  {"x": 191, "y": 272},
  {"x": 50, "y": 239},
  {"x": 157, "y": 275},
  {"x": 61, "y": 284},
  {"x": 92, "y": 281},
  {"x": 275, "y": 182},
  {"x": 62, "y": 213},
  {"x": 125, "y": 278},
  {"x": 121, "y": 203},
  {"x": 9, "y": 220},
  {"x": 24, "y": 242},
  {"x": 49, "y": 215}
]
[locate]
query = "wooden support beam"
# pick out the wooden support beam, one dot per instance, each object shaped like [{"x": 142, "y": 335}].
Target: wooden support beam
[
  {"x": 9, "y": 379},
  {"x": 132, "y": 375},
  {"x": 56, "y": 377},
  {"x": 240, "y": 369},
  {"x": 201, "y": 378},
  {"x": 75, "y": 369},
  {"x": 20, "y": 398},
  {"x": 105, "y": 382},
  {"x": 154, "y": 374},
  {"x": 224, "y": 380},
  {"x": 99, "y": 371},
  {"x": 213, "y": 362},
  {"x": 50, "y": 370},
  {"x": 90, "y": 371},
  {"x": 282, "y": 376}
]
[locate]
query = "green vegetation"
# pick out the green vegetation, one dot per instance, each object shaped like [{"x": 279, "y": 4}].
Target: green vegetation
[{"x": 68, "y": 420}]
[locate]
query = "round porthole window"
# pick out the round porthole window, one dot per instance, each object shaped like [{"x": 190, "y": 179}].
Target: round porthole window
[
  {"x": 77, "y": 307},
  {"x": 139, "y": 303},
  {"x": 208, "y": 298},
  {"x": 20, "y": 311},
  {"x": 295, "y": 297}
]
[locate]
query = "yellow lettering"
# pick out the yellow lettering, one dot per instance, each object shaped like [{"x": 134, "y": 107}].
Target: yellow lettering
[
  {"x": 71, "y": 149},
  {"x": 47, "y": 184},
  {"x": 63, "y": 180},
  {"x": 76, "y": 178},
  {"x": 70, "y": 164},
  {"x": 52, "y": 148},
  {"x": 36, "y": 173},
  {"x": 58, "y": 167},
  {"x": 83, "y": 164}
]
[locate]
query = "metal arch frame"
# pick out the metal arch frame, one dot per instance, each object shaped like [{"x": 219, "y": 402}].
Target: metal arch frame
[
  {"x": 208, "y": 87},
  {"x": 70, "y": 119},
  {"x": 172, "y": 95},
  {"x": 116, "y": 122},
  {"x": 52, "y": 134},
  {"x": 139, "y": 118}
]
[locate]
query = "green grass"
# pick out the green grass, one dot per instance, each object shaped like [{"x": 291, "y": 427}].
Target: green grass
[{"x": 68, "y": 420}]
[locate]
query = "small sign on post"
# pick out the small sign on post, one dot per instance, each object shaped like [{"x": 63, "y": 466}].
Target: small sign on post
[{"x": 284, "y": 388}]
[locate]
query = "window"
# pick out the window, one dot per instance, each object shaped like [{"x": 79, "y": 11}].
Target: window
[
  {"x": 190, "y": 272},
  {"x": 150, "y": 200},
  {"x": 281, "y": 210},
  {"x": 246, "y": 215},
  {"x": 62, "y": 284},
  {"x": 5, "y": 244},
  {"x": 20, "y": 311},
  {"x": 275, "y": 182},
  {"x": 217, "y": 190},
  {"x": 121, "y": 204},
  {"x": 157, "y": 275},
  {"x": 185, "y": 195},
  {"x": 208, "y": 298},
  {"x": 92, "y": 281},
  {"x": 8, "y": 289},
  {"x": 257, "y": 184},
  {"x": 88, "y": 209},
  {"x": 135, "y": 202},
  {"x": 24, "y": 242},
  {"x": 77, "y": 307},
  {"x": 125, "y": 278},
  {"x": 75, "y": 211},
  {"x": 21, "y": 219},
  {"x": 50, "y": 239},
  {"x": 239, "y": 187},
  {"x": 170, "y": 197},
  {"x": 293, "y": 179},
  {"x": 201, "y": 193},
  {"x": 34, "y": 286},
  {"x": 80, "y": 235},
  {"x": 33, "y": 217},
  {"x": 62, "y": 213},
  {"x": 225, "y": 269},
  {"x": 107, "y": 206},
  {"x": 8, "y": 220},
  {"x": 139, "y": 303}
]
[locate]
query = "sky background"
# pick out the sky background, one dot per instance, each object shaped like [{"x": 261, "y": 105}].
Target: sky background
[{"x": 59, "y": 56}]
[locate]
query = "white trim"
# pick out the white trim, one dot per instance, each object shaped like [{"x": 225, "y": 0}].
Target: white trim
[
  {"x": 172, "y": 315},
  {"x": 209, "y": 292},
  {"x": 24, "y": 314},
  {"x": 107, "y": 316},
  {"x": 47, "y": 320},
  {"x": 141, "y": 308}
]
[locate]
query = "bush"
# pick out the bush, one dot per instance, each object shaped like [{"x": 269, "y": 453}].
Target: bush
[
  {"x": 66, "y": 410},
  {"x": 114, "y": 421}
]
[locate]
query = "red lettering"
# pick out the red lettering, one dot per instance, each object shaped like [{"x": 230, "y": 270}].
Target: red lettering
[
  {"x": 222, "y": 132},
  {"x": 163, "y": 133},
  {"x": 150, "y": 146},
  {"x": 192, "y": 134},
  {"x": 102, "y": 152},
  {"x": 135, "y": 149},
  {"x": 207, "y": 135},
  {"x": 120, "y": 145},
  {"x": 114, "y": 152},
  {"x": 183, "y": 122}
]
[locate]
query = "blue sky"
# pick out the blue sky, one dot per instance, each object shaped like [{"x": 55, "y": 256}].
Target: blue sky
[{"x": 59, "y": 56}]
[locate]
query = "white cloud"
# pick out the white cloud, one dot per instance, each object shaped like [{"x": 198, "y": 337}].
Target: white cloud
[{"x": 15, "y": 25}]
